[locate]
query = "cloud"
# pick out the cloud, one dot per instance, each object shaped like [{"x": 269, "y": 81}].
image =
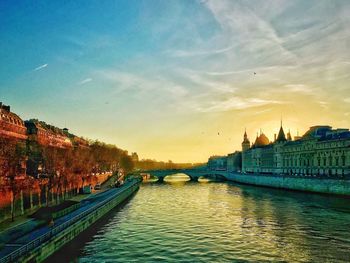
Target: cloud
[
  {"x": 324, "y": 104},
  {"x": 143, "y": 86},
  {"x": 254, "y": 32},
  {"x": 236, "y": 103},
  {"x": 262, "y": 111},
  {"x": 192, "y": 53},
  {"x": 41, "y": 67},
  {"x": 84, "y": 81},
  {"x": 302, "y": 88}
]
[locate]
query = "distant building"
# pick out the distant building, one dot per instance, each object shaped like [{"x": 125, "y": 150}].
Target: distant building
[
  {"x": 134, "y": 157},
  {"x": 217, "y": 163},
  {"x": 321, "y": 151},
  {"x": 234, "y": 162},
  {"x": 11, "y": 125}
]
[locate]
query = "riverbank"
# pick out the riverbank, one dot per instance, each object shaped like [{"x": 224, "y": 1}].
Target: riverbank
[
  {"x": 40, "y": 243},
  {"x": 306, "y": 184}
]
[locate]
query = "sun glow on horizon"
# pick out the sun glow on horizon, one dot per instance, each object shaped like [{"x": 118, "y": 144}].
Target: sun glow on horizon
[{"x": 177, "y": 80}]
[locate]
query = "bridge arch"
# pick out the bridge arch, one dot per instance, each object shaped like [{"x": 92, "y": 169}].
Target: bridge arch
[
  {"x": 178, "y": 177},
  {"x": 193, "y": 174}
]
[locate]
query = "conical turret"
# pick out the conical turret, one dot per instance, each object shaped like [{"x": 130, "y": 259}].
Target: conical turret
[{"x": 281, "y": 136}]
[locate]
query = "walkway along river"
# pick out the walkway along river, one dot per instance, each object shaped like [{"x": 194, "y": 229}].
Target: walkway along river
[
  {"x": 219, "y": 222},
  {"x": 38, "y": 244}
]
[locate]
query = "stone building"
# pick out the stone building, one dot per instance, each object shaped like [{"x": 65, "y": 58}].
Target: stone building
[
  {"x": 217, "y": 162},
  {"x": 321, "y": 151},
  {"x": 234, "y": 162},
  {"x": 11, "y": 125},
  {"x": 47, "y": 135},
  {"x": 40, "y": 136},
  {"x": 12, "y": 133}
]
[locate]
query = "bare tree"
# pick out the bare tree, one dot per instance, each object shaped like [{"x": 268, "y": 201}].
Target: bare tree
[{"x": 12, "y": 170}]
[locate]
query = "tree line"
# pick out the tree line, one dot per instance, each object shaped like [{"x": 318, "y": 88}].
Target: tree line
[{"x": 55, "y": 172}]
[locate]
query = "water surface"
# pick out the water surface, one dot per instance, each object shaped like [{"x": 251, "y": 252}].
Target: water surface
[{"x": 222, "y": 222}]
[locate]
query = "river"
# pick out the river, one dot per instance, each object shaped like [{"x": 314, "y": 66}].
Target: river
[{"x": 180, "y": 221}]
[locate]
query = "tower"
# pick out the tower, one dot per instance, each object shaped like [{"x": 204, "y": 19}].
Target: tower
[
  {"x": 277, "y": 159},
  {"x": 245, "y": 147},
  {"x": 246, "y": 142}
]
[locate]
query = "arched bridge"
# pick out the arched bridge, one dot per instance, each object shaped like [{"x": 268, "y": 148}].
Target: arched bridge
[{"x": 194, "y": 174}]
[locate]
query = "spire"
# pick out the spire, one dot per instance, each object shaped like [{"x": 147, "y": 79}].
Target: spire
[
  {"x": 246, "y": 142},
  {"x": 245, "y": 137},
  {"x": 281, "y": 136},
  {"x": 289, "y": 136}
]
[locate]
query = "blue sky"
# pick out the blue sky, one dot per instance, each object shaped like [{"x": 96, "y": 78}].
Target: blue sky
[{"x": 163, "y": 78}]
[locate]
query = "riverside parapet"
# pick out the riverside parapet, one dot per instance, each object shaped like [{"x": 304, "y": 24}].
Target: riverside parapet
[
  {"x": 37, "y": 245},
  {"x": 316, "y": 185}
]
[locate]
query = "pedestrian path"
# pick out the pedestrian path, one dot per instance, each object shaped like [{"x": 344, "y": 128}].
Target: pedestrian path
[{"x": 45, "y": 232}]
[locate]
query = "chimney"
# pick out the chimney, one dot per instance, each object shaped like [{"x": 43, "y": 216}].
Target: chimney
[
  {"x": 6, "y": 108},
  {"x": 275, "y": 136}
]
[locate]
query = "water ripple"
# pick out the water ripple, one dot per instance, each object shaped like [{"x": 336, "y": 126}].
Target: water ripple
[{"x": 220, "y": 222}]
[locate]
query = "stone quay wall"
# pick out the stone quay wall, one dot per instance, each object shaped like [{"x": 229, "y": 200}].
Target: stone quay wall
[{"x": 317, "y": 185}]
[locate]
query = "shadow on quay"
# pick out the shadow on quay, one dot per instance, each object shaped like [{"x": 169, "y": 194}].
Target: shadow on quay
[{"x": 72, "y": 250}]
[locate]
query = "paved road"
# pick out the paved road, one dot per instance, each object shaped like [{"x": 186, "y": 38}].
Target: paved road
[{"x": 86, "y": 204}]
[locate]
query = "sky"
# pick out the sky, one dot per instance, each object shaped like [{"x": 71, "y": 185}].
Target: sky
[{"x": 177, "y": 80}]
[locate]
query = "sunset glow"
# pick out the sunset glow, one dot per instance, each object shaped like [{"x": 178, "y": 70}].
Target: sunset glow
[{"x": 177, "y": 80}]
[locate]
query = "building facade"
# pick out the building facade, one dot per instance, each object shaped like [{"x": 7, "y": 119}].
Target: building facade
[
  {"x": 12, "y": 132},
  {"x": 321, "y": 151},
  {"x": 11, "y": 125},
  {"x": 217, "y": 162},
  {"x": 234, "y": 162},
  {"x": 47, "y": 135}
]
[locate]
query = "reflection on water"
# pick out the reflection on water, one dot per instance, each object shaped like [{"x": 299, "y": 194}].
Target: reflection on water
[
  {"x": 222, "y": 222},
  {"x": 204, "y": 179},
  {"x": 152, "y": 179},
  {"x": 177, "y": 178}
]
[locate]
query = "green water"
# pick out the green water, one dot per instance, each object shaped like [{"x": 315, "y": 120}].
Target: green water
[{"x": 222, "y": 222}]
